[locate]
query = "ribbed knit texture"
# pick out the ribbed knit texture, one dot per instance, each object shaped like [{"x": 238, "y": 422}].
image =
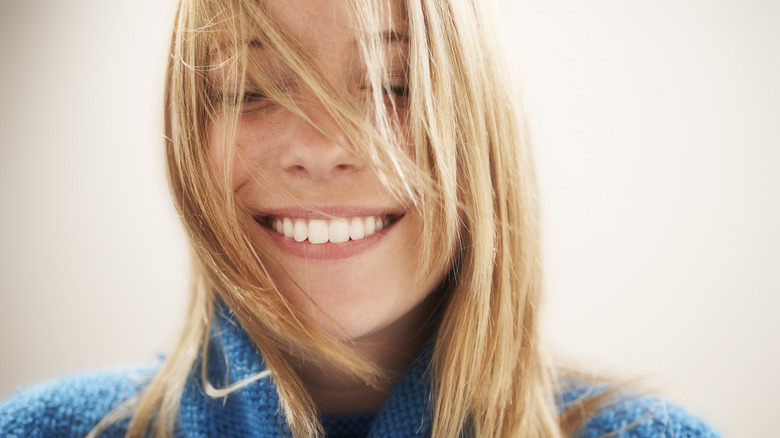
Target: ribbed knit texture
[
  {"x": 636, "y": 416},
  {"x": 70, "y": 407}
]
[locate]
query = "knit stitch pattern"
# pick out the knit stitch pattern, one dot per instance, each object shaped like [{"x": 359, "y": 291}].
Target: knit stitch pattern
[
  {"x": 71, "y": 407},
  {"x": 634, "y": 416}
]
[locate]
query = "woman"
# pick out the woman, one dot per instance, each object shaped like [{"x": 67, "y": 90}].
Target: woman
[{"x": 360, "y": 201}]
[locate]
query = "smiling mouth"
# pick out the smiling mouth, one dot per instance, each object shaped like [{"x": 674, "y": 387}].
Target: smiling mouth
[{"x": 334, "y": 230}]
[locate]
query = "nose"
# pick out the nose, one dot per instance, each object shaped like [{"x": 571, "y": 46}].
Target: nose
[{"x": 317, "y": 154}]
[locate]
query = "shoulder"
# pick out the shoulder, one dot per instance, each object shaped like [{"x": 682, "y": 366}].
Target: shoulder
[
  {"x": 628, "y": 414},
  {"x": 69, "y": 406}
]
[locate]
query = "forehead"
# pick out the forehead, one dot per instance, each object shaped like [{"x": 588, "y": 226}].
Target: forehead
[{"x": 318, "y": 23}]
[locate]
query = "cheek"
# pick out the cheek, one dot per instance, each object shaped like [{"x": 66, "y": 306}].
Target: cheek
[
  {"x": 217, "y": 155},
  {"x": 405, "y": 136},
  {"x": 248, "y": 155}
]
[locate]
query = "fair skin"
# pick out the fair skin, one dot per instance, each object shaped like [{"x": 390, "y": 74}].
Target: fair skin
[{"x": 363, "y": 289}]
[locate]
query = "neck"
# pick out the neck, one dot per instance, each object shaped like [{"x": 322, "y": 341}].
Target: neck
[{"x": 394, "y": 348}]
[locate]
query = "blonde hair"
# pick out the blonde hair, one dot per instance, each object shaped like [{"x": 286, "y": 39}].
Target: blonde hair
[{"x": 471, "y": 178}]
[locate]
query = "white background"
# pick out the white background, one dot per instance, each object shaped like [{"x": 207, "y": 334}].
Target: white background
[{"x": 656, "y": 127}]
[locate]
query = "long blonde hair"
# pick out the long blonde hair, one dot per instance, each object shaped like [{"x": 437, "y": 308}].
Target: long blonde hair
[{"x": 471, "y": 178}]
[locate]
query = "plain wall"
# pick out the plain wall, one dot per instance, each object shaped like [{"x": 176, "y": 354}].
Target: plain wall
[{"x": 656, "y": 128}]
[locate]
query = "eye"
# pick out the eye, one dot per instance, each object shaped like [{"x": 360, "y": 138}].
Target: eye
[
  {"x": 252, "y": 96},
  {"x": 398, "y": 90},
  {"x": 251, "y": 100},
  {"x": 254, "y": 101}
]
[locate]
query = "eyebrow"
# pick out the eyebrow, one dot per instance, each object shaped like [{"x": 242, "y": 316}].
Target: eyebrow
[
  {"x": 387, "y": 36},
  {"x": 393, "y": 36}
]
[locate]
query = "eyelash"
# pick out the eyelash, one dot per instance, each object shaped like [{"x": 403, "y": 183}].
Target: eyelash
[
  {"x": 401, "y": 90},
  {"x": 253, "y": 96}
]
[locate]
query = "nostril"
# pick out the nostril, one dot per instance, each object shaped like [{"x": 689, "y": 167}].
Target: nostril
[{"x": 310, "y": 152}]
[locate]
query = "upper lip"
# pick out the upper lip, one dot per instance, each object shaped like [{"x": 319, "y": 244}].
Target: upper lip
[{"x": 328, "y": 212}]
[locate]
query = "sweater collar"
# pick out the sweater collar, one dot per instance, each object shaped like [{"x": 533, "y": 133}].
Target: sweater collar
[{"x": 233, "y": 356}]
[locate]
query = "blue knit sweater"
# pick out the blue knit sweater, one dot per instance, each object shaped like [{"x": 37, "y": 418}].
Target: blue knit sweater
[{"x": 70, "y": 407}]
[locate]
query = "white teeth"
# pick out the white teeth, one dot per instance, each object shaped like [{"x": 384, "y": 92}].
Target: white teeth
[
  {"x": 336, "y": 230},
  {"x": 299, "y": 230},
  {"x": 318, "y": 231},
  {"x": 370, "y": 225},
  {"x": 357, "y": 228},
  {"x": 287, "y": 226}
]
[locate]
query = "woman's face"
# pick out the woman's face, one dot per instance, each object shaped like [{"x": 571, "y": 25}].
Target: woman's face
[{"x": 320, "y": 215}]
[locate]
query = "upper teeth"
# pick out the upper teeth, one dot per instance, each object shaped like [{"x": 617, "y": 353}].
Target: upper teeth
[{"x": 335, "y": 230}]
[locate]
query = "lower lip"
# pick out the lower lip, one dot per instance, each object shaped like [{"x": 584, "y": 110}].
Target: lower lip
[{"x": 328, "y": 250}]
